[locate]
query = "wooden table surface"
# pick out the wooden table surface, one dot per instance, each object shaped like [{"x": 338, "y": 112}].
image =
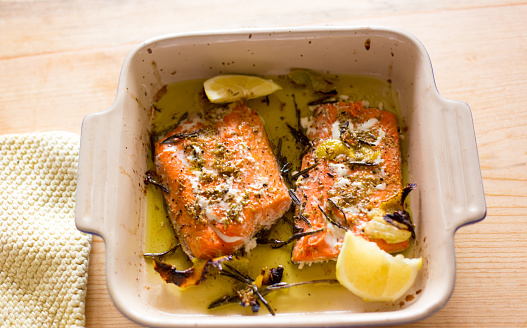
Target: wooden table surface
[{"x": 60, "y": 61}]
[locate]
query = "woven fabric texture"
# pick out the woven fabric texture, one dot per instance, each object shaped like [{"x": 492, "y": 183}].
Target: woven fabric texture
[{"x": 43, "y": 257}]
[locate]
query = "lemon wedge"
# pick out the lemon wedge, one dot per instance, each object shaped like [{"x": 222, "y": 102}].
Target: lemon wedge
[
  {"x": 373, "y": 274},
  {"x": 230, "y": 88}
]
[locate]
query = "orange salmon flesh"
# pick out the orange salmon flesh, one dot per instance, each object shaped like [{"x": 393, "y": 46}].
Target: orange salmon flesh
[
  {"x": 346, "y": 187},
  {"x": 224, "y": 185}
]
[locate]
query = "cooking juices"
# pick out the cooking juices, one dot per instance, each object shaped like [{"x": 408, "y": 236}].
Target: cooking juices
[{"x": 288, "y": 106}]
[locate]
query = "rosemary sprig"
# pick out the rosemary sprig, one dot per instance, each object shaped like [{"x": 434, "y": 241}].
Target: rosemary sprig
[
  {"x": 296, "y": 202},
  {"x": 178, "y": 136},
  {"x": 183, "y": 117},
  {"x": 324, "y": 100},
  {"x": 300, "y": 137},
  {"x": 151, "y": 177},
  {"x": 341, "y": 211},
  {"x": 294, "y": 197},
  {"x": 362, "y": 163},
  {"x": 335, "y": 223},
  {"x": 249, "y": 283},
  {"x": 304, "y": 171},
  {"x": 172, "y": 250},
  {"x": 343, "y": 128},
  {"x": 303, "y": 218},
  {"x": 283, "y": 164},
  {"x": 281, "y": 243},
  {"x": 283, "y": 285}
]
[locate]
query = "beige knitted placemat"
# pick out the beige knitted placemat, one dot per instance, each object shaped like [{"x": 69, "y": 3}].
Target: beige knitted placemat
[{"x": 43, "y": 257}]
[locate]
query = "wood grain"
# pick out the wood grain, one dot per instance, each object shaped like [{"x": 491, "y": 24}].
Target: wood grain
[{"x": 60, "y": 61}]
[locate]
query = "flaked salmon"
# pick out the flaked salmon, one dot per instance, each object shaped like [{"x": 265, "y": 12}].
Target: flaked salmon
[
  {"x": 356, "y": 166},
  {"x": 224, "y": 185}
]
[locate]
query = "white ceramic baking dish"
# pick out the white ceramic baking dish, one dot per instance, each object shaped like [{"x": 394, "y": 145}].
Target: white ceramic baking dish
[{"x": 442, "y": 160}]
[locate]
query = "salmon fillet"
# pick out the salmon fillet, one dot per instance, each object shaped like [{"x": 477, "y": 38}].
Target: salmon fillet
[
  {"x": 358, "y": 166},
  {"x": 223, "y": 181}
]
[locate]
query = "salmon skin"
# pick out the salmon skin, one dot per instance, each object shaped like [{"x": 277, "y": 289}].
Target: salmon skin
[
  {"x": 223, "y": 181},
  {"x": 358, "y": 166}
]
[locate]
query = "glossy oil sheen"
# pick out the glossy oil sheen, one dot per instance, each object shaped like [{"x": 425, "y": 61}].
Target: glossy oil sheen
[{"x": 276, "y": 110}]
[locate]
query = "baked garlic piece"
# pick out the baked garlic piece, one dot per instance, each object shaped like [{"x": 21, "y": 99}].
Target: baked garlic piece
[
  {"x": 394, "y": 227},
  {"x": 379, "y": 228}
]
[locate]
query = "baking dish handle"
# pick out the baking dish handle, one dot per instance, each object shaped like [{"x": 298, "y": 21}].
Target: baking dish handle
[
  {"x": 94, "y": 171},
  {"x": 464, "y": 182}
]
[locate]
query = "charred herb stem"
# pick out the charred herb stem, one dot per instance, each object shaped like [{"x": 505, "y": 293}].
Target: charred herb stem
[
  {"x": 235, "y": 274},
  {"x": 297, "y": 203},
  {"x": 362, "y": 163},
  {"x": 178, "y": 136},
  {"x": 294, "y": 197},
  {"x": 402, "y": 216},
  {"x": 341, "y": 211},
  {"x": 303, "y": 218},
  {"x": 263, "y": 300},
  {"x": 304, "y": 171},
  {"x": 334, "y": 222},
  {"x": 300, "y": 137},
  {"x": 366, "y": 142},
  {"x": 280, "y": 243},
  {"x": 172, "y": 250},
  {"x": 249, "y": 282},
  {"x": 298, "y": 114},
  {"x": 324, "y": 100},
  {"x": 279, "y": 286},
  {"x": 283, "y": 164},
  {"x": 406, "y": 190},
  {"x": 268, "y": 289},
  {"x": 183, "y": 117},
  {"x": 343, "y": 128},
  {"x": 151, "y": 177}
]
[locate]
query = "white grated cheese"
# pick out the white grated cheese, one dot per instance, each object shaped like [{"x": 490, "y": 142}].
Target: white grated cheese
[
  {"x": 380, "y": 137},
  {"x": 357, "y": 184},
  {"x": 307, "y": 124},
  {"x": 211, "y": 216},
  {"x": 243, "y": 148},
  {"x": 314, "y": 200},
  {"x": 351, "y": 210},
  {"x": 250, "y": 245},
  {"x": 340, "y": 169},
  {"x": 194, "y": 181},
  {"x": 180, "y": 154},
  {"x": 334, "y": 236},
  {"x": 381, "y": 186},
  {"x": 202, "y": 202},
  {"x": 379, "y": 160},
  {"x": 205, "y": 172},
  {"x": 342, "y": 182},
  {"x": 335, "y": 130},
  {"x": 368, "y": 125}
]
